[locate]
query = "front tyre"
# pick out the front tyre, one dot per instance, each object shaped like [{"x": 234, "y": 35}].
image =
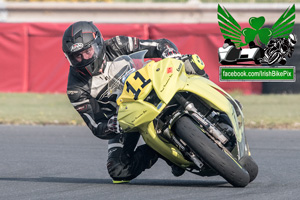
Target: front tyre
[
  {"x": 250, "y": 165},
  {"x": 211, "y": 154}
]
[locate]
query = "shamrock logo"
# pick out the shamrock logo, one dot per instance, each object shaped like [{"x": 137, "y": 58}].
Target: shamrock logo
[
  {"x": 231, "y": 29},
  {"x": 264, "y": 34}
]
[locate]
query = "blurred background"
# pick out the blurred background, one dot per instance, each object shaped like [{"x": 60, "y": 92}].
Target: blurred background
[
  {"x": 34, "y": 70},
  {"x": 31, "y": 32}
]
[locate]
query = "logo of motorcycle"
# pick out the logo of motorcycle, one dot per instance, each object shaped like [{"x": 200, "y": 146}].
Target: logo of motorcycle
[
  {"x": 76, "y": 47},
  {"x": 278, "y": 41}
]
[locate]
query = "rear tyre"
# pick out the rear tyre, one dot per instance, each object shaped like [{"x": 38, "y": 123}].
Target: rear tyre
[{"x": 211, "y": 154}]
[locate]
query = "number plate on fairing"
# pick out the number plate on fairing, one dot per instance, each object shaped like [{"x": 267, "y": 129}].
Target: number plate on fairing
[{"x": 137, "y": 86}]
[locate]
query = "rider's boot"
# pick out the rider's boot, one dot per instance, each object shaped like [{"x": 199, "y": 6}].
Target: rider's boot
[
  {"x": 115, "y": 149},
  {"x": 177, "y": 171},
  {"x": 124, "y": 163}
]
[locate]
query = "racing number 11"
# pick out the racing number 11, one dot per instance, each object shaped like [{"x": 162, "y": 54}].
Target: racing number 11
[{"x": 138, "y": 91}]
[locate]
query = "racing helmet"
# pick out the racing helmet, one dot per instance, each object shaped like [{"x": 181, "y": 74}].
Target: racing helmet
[
  {"x": 84, "y": 47},
  {"x": 292, "y": 39}
]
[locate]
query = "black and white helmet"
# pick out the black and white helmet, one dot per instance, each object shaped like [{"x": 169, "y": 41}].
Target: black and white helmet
[
  {"x": 84, "y": 47},
  {"x": 292, "y": 39}
]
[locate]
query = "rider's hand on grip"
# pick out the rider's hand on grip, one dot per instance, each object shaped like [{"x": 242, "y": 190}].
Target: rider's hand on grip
[
  {"x": 171, "y": 53},
  {"x": 113, "y": 125}
]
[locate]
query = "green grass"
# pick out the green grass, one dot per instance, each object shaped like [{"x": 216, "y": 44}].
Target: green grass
[
  {"x": 271, "y": 111},
  {"x": 28, "y": 108},
  {"x": 260, "y": 111}
]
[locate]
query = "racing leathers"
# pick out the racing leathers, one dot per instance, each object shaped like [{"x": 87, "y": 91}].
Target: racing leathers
[{"x": 88, "y": 94}]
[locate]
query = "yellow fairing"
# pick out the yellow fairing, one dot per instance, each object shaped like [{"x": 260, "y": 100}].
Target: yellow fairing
[
  {"x": 218, "y": 99},
  {"x": 167, "y": 150},
  {"x": 138, "y": 85},
  {"x": 166, "y": 78},
  {"x": 210, "y": 92},
  {"x": 137, "y": 115}
]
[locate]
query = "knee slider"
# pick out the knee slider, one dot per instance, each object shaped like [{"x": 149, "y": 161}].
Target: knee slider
[
  {"x": 118, "y": 165},
  {"x": 114, "y": 167}
]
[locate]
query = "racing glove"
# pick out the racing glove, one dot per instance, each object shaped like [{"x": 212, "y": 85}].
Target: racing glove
[
  {"x": 171, "y": 53},
  {"x": 113, "y": 125}
]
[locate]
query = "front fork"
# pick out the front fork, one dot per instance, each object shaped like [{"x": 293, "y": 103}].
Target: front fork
[
  {"x": 186, "y": 152},
  {"x": 204, "y": 123},
  {"x": 211, "y": 131}
]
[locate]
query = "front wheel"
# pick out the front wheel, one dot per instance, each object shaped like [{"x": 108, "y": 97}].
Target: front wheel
[
  {"x": 250, "y": 165},
  {"x": 210, "y": 153},
  {"x": 275, "y": 56}
]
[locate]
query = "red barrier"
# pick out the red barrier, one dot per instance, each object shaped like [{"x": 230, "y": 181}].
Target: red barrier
[
  {"x": 14, "y": 57},
  {"x": 32, "y": 59}
]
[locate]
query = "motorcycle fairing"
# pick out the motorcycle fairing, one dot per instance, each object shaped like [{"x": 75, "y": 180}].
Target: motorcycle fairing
[
  {"x": 221, "y": 101},
  {"x": 167, "y": 77}
]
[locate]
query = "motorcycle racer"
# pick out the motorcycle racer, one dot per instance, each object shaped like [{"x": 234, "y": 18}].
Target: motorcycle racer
[
  {"x": 90, "y": 57},
  {"x": 278, "y": 49}
]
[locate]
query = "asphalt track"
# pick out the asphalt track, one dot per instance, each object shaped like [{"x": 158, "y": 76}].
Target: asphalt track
[{"x": 68, "y": 162}]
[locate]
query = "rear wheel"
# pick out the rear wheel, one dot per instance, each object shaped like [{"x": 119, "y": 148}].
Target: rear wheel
[{"x": 210, "y": 153}]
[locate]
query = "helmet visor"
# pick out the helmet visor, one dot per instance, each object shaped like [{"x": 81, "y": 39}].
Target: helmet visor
[{"x": 84, "y": 57}]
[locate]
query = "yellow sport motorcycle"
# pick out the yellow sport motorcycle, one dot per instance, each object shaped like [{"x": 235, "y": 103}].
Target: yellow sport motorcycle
[{"x": 187, "y": 119}]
